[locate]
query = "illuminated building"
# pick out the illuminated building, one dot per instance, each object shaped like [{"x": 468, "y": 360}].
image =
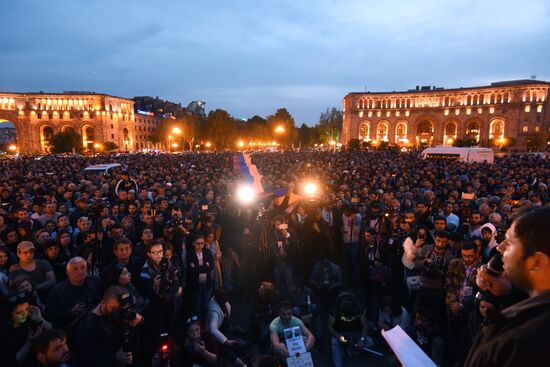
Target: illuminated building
[
  {"x": 429, "y": 116},
  {"x": 98, "y": 118}
]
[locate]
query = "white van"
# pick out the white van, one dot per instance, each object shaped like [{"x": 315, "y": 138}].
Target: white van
[
  {"x": 106, "y": 169},
  {"x": 463, "y": 154}
]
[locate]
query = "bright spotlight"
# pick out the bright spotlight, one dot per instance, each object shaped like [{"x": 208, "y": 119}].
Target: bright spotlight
[
  {"x": 246, "y": 194},
  {"x": 310, "y": 189}
]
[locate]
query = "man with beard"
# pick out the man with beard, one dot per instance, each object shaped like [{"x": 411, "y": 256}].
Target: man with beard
[
  {"x": 51, "y": 349},
  {"x": 515, "y": 336},
  {"x": 99, "y": 336},
  {"x": 461, "y": 289},
  {"x": 475, "y": 224}
]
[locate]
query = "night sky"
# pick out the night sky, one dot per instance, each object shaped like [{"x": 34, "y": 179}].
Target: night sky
[{"x": 252, "y": 57}]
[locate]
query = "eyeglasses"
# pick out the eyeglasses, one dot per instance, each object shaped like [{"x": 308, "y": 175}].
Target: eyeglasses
[
  {"x": 156, "y": 252},
  {"x": 191, "y": 319}
]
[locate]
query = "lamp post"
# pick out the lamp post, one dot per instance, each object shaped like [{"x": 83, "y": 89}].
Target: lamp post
[
  {"x": 177, "y": 132},
  {"x": 280, "y": 131}
]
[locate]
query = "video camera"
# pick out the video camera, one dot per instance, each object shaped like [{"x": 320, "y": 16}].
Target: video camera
[
  {"x": 127, "y": 313},
  {"x": 164, "y": 275},
  {"x": 182, "y": 223}
]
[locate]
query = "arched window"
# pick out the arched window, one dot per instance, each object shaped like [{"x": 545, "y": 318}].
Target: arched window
[
  {"x": 450, "y": 129},
  {"x": 364, "y": 130},
  {"x": 401, "y": 129},
  {"x": 473, "y": 128},
  {"x": 126, "y": 134},
  {"x": 497, "y": 128},
  {"x": 425, "y": 128},
  {"x": 382, "y": 131},
  {"x": 68, "y": 129},
  {"x": 47, "y": 133},
  {"x": 90, "y": 133}
]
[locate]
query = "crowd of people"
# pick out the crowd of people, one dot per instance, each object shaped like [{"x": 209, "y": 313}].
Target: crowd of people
[{"x": 151, "y": 264}]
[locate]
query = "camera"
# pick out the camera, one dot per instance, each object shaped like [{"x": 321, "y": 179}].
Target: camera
[
  {"x": 164, "y": 275},
  {"x": 127, "y": 312},
  {"x": 182, "y": 223}
]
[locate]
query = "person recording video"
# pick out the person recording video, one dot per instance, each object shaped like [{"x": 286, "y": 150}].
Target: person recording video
[
  {"x": 99, "y": 337},
  {"x": 513, "y": 337}
]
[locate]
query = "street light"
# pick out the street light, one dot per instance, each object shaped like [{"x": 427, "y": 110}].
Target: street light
[
  {"x": 240, "y": 143},
  {"x": 280, "y": 129},
  {"x": 174, "y": 145},
  {"x": 97, "y": 145},
  {"x": 208, "y": 144},
  {"x": 12, "y": 148},
  {"x": 176, "y": 131}
]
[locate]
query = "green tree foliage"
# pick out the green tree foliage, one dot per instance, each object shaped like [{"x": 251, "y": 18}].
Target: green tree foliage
[
  {"x": 308, "y": 136},
  {"x": 109, "y": 145},
  {"x": 65, "y": 142},
  {"x": 535, "y": 141},
  {"x": 221, "y": 129},
  {"x": 354, "y": 144},
  {"x": 283, "y": 118},
  {"x": 465, "y": 143},
  {"x": 330, "y": 124},
  {"x": 255, "y": 129}
]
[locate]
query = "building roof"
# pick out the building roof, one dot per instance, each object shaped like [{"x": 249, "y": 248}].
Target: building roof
[
  {"x": 430, "y": 89},
  {"x": 66, "y": 93}
]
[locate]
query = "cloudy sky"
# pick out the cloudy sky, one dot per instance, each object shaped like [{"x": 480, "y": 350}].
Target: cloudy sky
[{"x": 252, "y": 57}]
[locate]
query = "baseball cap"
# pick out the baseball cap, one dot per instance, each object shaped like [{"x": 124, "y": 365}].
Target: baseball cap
[{"x": 25, "y": 246}]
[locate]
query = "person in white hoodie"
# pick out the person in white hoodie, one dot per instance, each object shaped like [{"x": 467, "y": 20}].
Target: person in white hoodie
[{"x": 488, "y": 235}]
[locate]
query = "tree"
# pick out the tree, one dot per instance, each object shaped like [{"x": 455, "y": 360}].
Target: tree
[
  {"x": 308, "y": 135},
  {"x": 284, "y": 119},
  {"x": 535, "y": 141},
  {"x": 354, "y": 144},
  {"x": 66, "y": 141},
  {"x": 109, "y": 145},
  {"x": 220, "y": 129},
  {"x": 330, "y": 124},
  {"x": 465, "y": 143},
  {"x": 189, "y": 127}
]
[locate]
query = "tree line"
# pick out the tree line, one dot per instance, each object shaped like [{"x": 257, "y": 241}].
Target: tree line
[{"x": 223, "y": 131}]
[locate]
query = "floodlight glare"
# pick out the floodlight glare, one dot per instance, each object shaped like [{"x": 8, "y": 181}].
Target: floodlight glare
[
  {"x": 310, "y": 189},
  {"x": 246, "y": 194}
]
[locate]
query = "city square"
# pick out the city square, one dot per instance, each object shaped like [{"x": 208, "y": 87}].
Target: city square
[{"x": 275, "y": 184}]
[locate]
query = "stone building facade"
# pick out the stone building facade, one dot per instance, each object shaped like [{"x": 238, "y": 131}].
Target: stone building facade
[
  {"x": 503, "y": 113},
  {"x": 98, "y": 118},
  {"x": 145, "y": 129}
]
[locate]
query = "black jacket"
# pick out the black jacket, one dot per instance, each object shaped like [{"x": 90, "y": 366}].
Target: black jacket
[
  {"x": 65, "y": 296},
  {"x": 515, "y": 337}
]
